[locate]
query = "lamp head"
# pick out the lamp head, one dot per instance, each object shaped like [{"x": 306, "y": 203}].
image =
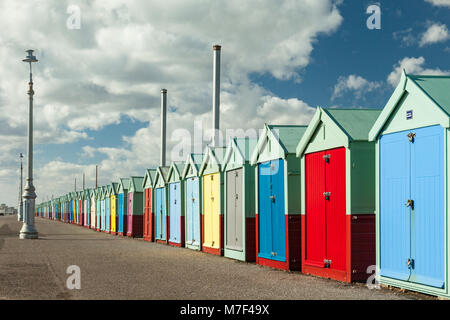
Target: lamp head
[{"x": 30, "y": 57}]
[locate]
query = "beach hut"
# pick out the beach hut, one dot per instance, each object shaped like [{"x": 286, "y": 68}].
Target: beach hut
[
  {"x": 338, "y": 194},
  {"x": 87, "y": 207},
  {"x": 135, "y": 219},
  {"x": 192, "y": 190},
  {"x": 107, "y": 208},
  {"x": 175, "y": 192},
  {"x": 412, "y": 136},
  {"x": 277, "y": 174},
  {"x": 114, "y": 201},
  {"x": 123, "y": 206},
  {"x": 93, "y": 210},
  {"x": 149, "y": 217},
  {"x": 160, "y": 197},
  {"x": 103, "y": 197},
  {"x": 80, "y": 208},
  {"x": 71, "y": 207},
  {"x": 212, "y": 200},
  {"x": 239, "y": 203},
  {"x": 98, "y": 209}
]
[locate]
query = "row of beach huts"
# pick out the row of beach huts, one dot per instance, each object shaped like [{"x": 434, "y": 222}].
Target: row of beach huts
[{"x": 353, "y": 189}]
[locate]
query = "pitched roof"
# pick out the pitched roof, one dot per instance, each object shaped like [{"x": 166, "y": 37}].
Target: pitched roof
[
  {"x": 289, "y": 136},
  {"x": 356, "y": 123},
  {"x": 436, "y": 87},
  {"x": 136, "y": 183},
  {"x": 246, "y": 146}
]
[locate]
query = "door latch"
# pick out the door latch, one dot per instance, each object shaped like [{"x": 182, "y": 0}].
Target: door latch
[
  {"x": 236, "y": 196},
  {"x": 273, "y": 254},
  {"x": 327, "y": 263},
  {"x": 410, "y": 263},
  {"x": 326, "y": 158},
  {"x": 193, "y": 199},
  {"x": 327, "y": 195},
  {"x": 410, "y": 203},
  {"x": 411, "y": 136},
  {"x": 272, "y": 198}
]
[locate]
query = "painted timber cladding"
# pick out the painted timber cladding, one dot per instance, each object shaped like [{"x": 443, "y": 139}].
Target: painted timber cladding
[
  {"x": 135, "y": 207},
  {"x": 338, "y": 195},
  {"x": 239, "y": 211},
  {"x": 93, "y": 208},
  {"x": 193, "y": 200},
  {"x": 176, "y": 201},
  {"x": 114, "y": 191},
  {"x": 274, "y": 155},
  {"x": 212, "y": 200},
  {"x": 418, "y": 257},
  {"x": 149, "y": 216},
  {"x": 160, "y": 191},
  {"x": 123, "y": 206}
]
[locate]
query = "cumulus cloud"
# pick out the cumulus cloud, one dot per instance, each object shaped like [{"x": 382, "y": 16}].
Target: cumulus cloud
[
  {"x": 435, "y": 33},
  {"x": 412, "y": 65},
  {"x": 126, "y": 51},
  {"x": 355, "y": 84},
  {"x": 439, "y": 3}
]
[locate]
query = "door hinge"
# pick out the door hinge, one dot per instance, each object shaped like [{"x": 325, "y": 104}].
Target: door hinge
[
  {"x": 410, "y": 203},
  {"x": 327, "y": 195},
  {"x": 411, "y": 136},
  {"x": 326, "y": 158},
  {"x": 410, "y": 263}
]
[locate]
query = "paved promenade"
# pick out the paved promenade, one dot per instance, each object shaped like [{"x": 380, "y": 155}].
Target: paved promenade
[{"x": 121, "y": 268}]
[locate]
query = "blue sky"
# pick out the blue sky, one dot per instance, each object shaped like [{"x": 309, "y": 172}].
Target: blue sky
[{"x": 98, "y": 86}]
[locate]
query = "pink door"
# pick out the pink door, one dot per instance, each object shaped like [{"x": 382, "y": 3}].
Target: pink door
[{"x": 130, "y": 213}]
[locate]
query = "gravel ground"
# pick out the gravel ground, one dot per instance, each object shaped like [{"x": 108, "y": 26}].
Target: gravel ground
[{"x": 121, "y": 268}]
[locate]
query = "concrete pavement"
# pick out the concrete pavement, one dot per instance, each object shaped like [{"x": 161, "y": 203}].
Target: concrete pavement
[{"x": 114, "y": 267}]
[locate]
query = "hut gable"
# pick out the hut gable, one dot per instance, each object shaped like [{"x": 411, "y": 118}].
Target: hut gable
[
  {"x": 192, "y": 165},
  {"x": 277, "y": 141},
  {"x": 161, "y": 177},
  {"x": 213, "y": 160},
  {"x": 332, "y": 128},
  {"x": 135, "y": 184},
  {"x": 418, "y": 101},
  {"x": 175, "y": 172},
  {"x": 114, "y": 189},
  {"x": 239, "y": 152},
  {"x": 123, "y": 185},
  {"x": 149, "y": 178}
]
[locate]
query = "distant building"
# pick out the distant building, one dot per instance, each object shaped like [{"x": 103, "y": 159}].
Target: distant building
[{"x": 7, "y": 211}]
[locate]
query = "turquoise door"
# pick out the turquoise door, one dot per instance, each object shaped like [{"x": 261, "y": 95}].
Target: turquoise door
[
  {"x": 121, "y": 213},
  {"x": 160, "y": 213},
  {"x": 412, "y": 214}
]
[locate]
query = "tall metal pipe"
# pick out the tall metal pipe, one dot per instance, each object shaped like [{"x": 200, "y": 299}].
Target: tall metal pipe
[
  {"x": 163, "y": 126},
  {"x": 216, "y": 95}
]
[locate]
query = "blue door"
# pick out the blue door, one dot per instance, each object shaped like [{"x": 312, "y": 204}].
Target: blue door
[
  {"x": 196, "y": 212},
  {"x": 412, "y": 206},
  {"x": 108, "y": 214},
  {"x": 120, "y": 222},
  {"x": 160, "y": 213},
  {"x": 189, "y": 212},
  {"x": 175, "y": 212},
  {"x": 265, "y": 211}
]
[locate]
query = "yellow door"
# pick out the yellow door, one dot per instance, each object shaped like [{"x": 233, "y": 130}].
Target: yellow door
[
  {"x": 113, "y": 213},
  {"x": 215, "y": 218},
  {"x": 207, "y": 212}
]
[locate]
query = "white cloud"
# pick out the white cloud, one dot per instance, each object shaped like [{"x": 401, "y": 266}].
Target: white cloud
[
  {"x": 435, "y": 33},
  {"x": 126, "y": 51},
  {"x": 412, "y": 66},
  {"x": 355, "y": 84},
  {"x": 439, "y": 3}
]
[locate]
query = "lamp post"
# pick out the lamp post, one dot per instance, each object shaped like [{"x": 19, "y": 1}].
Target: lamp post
[
  {"x": 28, "y": 230},
  {"x": 20, "y": 216}
]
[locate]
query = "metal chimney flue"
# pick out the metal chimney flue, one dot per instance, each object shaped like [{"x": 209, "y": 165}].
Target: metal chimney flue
[
  {"x": 216, "y": 95},
  {"x": 163, "y": 126}
]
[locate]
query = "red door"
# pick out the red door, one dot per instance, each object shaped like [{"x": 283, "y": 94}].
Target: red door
[
  {"x": 315, "y": 210},
  {"x": 325, "y": 209},
  {"x": 148, "y": 219}
]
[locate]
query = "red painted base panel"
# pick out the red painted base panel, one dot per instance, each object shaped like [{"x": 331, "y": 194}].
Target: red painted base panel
[
  {"x": 161, "y": 241},
  {"x": 174, "y": 244}
]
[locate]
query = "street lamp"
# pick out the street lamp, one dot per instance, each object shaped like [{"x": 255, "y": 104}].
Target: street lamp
[
  {"x": 28, "y": 230},
  {"x": 20, "y": 216}
]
